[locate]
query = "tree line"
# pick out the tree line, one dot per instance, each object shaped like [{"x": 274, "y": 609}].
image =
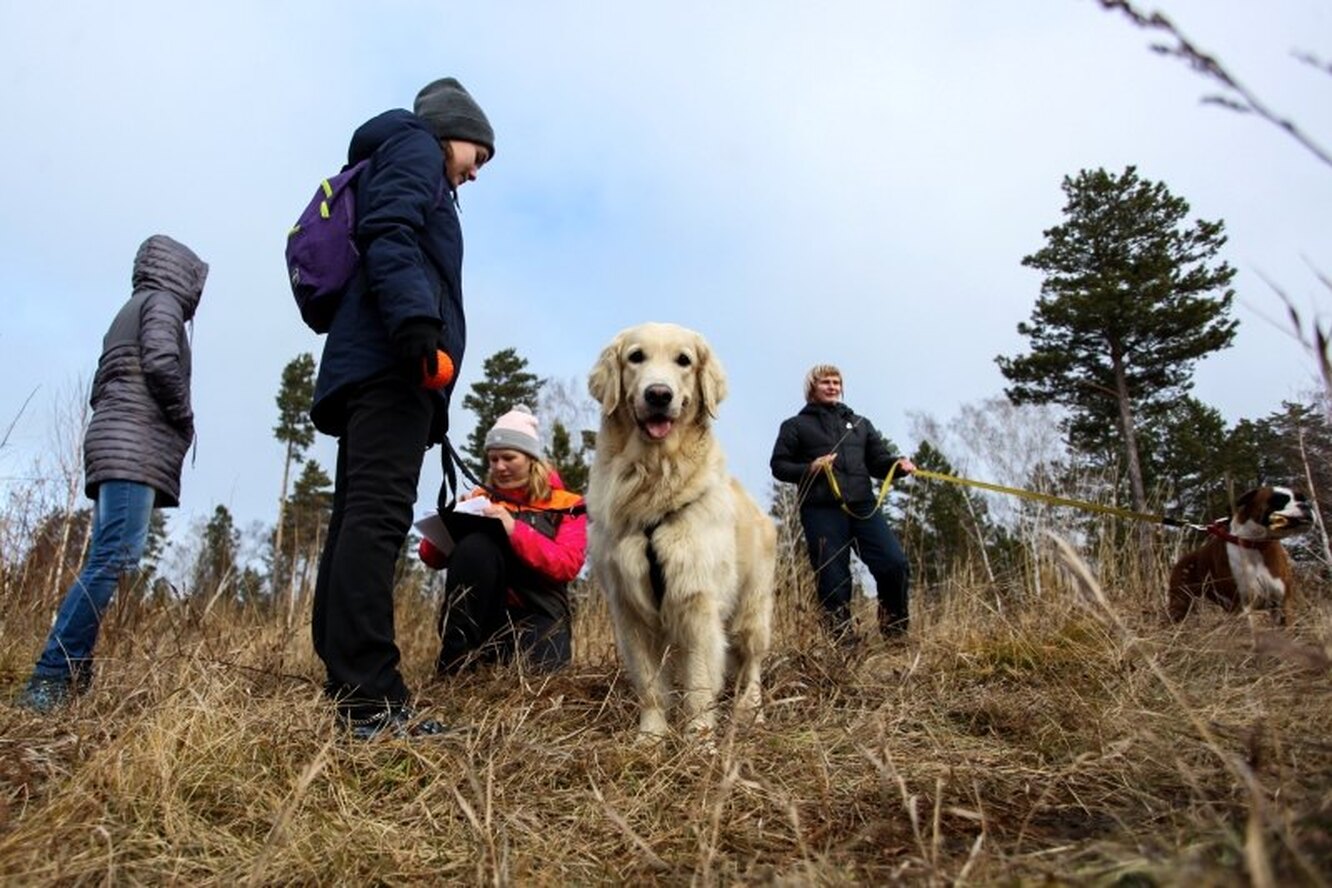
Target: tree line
[{"x": 1099, "y": 406}]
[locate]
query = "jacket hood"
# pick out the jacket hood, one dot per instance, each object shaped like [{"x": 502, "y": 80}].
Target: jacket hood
[
  {"x": 379, "y": 129},
  {"x": 171, "y": 267}
]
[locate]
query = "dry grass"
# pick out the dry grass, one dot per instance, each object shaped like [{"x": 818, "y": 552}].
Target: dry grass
[{"x": 1065, "y": 736}]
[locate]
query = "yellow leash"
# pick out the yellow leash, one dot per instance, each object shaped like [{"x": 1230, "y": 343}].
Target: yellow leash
[
  {"x": 1055, "y": 500},
  {"x": 837, "y": 491},
  {"x": 1014, "y": 491}
]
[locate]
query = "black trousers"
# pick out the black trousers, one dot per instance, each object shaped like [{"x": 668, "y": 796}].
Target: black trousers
[
  {"x": 480, "y": 623},
  {"x": 389, "y": 426},
  {"x": 831, "y": 536}
]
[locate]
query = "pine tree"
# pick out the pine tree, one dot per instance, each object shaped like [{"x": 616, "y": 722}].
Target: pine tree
[
  {"x": 305, "y": 516},
  {"x": 1185, "y": 459},
  {"x": 571, "y": 464},
  {"x": 1299, "y": 454},
  {"x": 217, "y": 561},
  {"x": 947, "y": 526},
  {"x": 294, "y": 428},
  {"x": 153, "y": 549},
  {"x": 1131, "y": 300},
  {"x": 59, "y": 543},
  {"x": 570, "y": 413},
  {"x": 506, "y": 384}
]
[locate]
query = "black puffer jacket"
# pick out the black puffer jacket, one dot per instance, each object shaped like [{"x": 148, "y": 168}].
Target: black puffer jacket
[
  {"x": 862, "y": 454},
  {"x": 142, "y": 422}
]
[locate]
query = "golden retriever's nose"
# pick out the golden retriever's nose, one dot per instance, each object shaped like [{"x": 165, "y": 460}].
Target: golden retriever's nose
[{"x": 658, "y": 397}]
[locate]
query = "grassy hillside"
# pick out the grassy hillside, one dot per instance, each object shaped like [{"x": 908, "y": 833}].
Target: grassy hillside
[{"x": 1053, "y": 732}]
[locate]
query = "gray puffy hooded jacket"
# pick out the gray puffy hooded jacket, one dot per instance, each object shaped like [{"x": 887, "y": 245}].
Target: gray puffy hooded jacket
[{"x": 142, "y": 423}]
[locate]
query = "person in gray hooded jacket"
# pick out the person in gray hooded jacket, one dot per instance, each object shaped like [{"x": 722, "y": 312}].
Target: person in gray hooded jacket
[{"x": 141, "y": 427}]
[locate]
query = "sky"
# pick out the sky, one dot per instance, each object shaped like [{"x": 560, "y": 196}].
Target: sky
[{"x": 852, "y": 183}]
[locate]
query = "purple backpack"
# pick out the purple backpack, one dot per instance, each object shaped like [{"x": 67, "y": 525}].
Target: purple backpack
[{"x": 321, "y": 249}]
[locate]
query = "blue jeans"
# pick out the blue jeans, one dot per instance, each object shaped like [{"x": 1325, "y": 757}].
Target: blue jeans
[
  {"x": 119, "y": 536},
  {"x": 831, "y": 535}
]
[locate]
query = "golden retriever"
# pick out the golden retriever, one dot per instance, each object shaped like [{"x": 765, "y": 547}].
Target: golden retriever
[{"x": 684, "y": 554}]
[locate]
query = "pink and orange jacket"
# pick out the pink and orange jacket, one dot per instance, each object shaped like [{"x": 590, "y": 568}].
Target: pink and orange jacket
[{"x": 550, "y": 536}]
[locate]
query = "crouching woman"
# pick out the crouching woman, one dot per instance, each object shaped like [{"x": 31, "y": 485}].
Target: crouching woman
[{"x": 506, "y": 593}]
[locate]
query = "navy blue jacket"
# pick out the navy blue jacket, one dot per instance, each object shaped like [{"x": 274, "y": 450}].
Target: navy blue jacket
[
  {"x": 411, "y": 262},
  {"x": 824, "y": 428}
]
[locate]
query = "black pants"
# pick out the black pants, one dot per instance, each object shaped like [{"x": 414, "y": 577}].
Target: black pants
[
  {"x": 389, "y": 424},
  {"x": 831, "y": 535},
  {"x": 480, "y": 623}
]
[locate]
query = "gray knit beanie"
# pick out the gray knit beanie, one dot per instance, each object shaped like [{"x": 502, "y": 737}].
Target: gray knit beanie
[
  {"x": 516, "y": 430},
  {"x": 453, "y": 114}
]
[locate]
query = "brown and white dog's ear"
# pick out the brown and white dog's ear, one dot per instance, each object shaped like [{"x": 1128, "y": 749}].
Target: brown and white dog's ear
[
  {"x": 711, "y": 378},
  {"x": 604, "y": 382},
  {"x": 1242, "y": 504}
]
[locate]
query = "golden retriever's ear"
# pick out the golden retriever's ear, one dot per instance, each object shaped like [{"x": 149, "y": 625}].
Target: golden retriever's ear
[
  {"x": 603, "y": 383},
  {"x": 711, "y": 378}
]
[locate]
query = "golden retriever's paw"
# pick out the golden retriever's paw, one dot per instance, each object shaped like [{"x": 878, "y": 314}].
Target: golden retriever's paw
[
  {"x": 652, "y": 728},
  {"x": 649, "y": 742},
  {"x": 702, "y": 737},
  {"x": 749, "y": 717}
]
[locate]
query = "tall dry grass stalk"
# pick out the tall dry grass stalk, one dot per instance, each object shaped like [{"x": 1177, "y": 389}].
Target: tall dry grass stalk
[{"x": 1066, "y": 736}]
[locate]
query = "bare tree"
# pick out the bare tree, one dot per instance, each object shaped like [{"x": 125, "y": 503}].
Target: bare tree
[{"x": 69, "y": 424}]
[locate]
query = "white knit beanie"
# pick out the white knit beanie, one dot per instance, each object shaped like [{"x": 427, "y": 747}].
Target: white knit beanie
[{"x": 516, "y": 430}]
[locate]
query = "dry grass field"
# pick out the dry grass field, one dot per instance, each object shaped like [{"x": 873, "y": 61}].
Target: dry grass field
[{"x": 1057, "y": 732}]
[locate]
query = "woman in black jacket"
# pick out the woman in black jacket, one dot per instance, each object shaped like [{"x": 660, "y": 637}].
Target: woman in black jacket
[{"x": 828, "y": 437}]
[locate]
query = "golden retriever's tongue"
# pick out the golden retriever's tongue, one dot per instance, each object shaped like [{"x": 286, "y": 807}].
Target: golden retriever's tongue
[{"x": 658, "y": 428}]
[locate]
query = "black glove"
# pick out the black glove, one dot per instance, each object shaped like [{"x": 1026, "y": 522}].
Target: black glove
[{"x": 415, "y": 344}]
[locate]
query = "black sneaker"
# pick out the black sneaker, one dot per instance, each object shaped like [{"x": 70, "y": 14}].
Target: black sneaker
[
  {"x": 397, "y": 723},
  {"x": 892, "y": 627},
  {"x": 44, "y": 694}
]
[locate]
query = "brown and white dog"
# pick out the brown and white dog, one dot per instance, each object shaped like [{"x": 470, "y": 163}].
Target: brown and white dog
[{"x": 1243, "y": 564}]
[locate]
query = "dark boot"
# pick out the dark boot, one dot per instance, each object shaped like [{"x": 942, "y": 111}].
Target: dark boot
[
  {"x": 892, "y": 627},
  {"x": 44, "y": 694},
  {"x": 395, "y": 722}
]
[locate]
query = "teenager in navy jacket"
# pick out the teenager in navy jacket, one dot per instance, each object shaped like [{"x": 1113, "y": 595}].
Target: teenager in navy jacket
[{"x": 401, "y": 311}]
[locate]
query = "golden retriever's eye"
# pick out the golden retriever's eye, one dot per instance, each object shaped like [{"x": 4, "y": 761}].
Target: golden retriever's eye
[
  {"x": 636, "y": 356},
  {"x": 683, "y": 359}
]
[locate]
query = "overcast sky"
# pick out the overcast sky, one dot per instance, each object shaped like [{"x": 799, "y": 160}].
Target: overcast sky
[{"x": 851, "y": 182}]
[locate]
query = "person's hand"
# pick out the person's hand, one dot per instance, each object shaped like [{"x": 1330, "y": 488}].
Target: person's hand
[
  {"x": 905, "y": 466},
  {"x": 504, "y": 515},
  {"x": 821, "y": 461},
  {"x": 415, "y": 345}
]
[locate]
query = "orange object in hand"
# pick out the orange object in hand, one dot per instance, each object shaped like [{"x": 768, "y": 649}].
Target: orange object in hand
[{"x": 443, "y": 372}]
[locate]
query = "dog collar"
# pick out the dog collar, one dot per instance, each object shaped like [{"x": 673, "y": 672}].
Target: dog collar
[{"x": 1220, "y": 530}]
